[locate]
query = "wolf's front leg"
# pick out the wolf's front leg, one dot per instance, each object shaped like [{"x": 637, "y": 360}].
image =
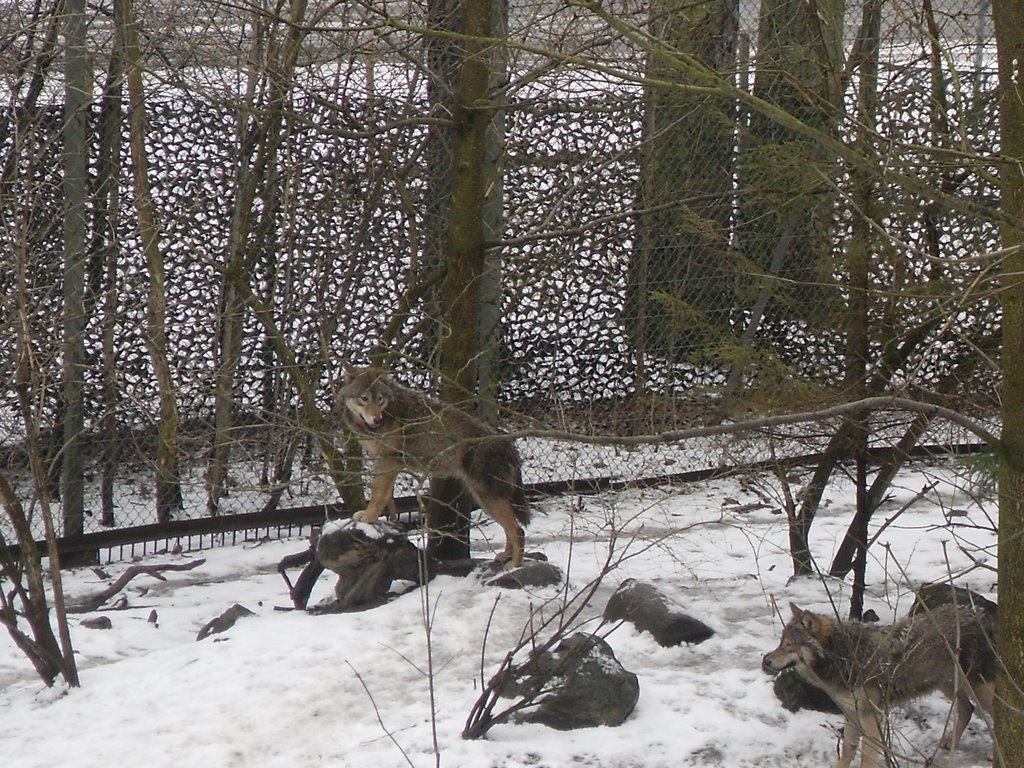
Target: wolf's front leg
[
  {"x": 381, "y": 492},
  {"x": 872, "y": 743},
  {"x": 851, "y": 737},
  {"x": 962, "y": 711}
]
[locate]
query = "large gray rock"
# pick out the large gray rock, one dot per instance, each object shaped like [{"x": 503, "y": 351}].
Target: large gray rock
[
  {"x": 532, "y": 573},
  {"x": 588, "y": 686},
  {"x": 650, "y": 610},
  {"x": 931, "y": 596}
]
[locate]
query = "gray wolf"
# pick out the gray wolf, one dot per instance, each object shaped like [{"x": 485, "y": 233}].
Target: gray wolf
[
  {"x": 404, "y": 429},
  {"x": 866, "y": 669}
]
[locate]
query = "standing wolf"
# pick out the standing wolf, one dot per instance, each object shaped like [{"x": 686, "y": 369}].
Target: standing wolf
[
  {"x": 402, "y": 429},
  {"x": 866, "y": 669}
]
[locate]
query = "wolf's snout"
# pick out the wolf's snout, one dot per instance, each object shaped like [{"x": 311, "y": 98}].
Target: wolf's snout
[{"x": 768, "y": 665}]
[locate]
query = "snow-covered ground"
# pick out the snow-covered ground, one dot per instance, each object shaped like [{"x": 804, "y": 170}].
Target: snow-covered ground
[{"x": 285, "y": 688}]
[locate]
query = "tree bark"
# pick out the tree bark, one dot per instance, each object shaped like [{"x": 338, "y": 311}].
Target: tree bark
[
  {"x": 75, "y": 131},
  {"x": 465, "y": 258},
  {"x": 682, "y": 273},
  {"x": 860, "y": 249},
  {"x": 783, "y": 188},
  {"x": 257, "y": 178},
  {"x": 168, "y": 485},
  {"x": 108, "y": 217},
  {"x": 1008, "y": 16},
  {"x": 25, "y": 584}
]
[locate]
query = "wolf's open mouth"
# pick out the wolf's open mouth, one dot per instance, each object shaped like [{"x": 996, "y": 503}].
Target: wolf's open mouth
[{"x": 771, "y": 669}]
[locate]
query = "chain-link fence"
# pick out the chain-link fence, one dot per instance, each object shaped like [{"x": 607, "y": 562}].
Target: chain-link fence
[{"x": 672, "y": 251}]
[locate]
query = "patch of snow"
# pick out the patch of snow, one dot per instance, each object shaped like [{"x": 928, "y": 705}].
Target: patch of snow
[{"x": 392, "y": 687}]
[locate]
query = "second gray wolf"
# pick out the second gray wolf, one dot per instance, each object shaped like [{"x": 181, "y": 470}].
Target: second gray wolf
[
  {"x": 866, "y": 669},
  {"x": 404, "y": 429}
]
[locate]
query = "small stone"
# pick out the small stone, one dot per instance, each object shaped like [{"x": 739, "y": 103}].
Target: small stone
[
  {"x": 532, "y": 573},
  {"x": 98, "y": 622},
  {"x": 225, "y": 621}
]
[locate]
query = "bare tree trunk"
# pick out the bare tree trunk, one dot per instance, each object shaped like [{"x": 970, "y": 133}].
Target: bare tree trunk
[
  {"x": 465, "y": 257},
  {"x": 24, "y": 596},
  {"x": 1008, "y": 16},
  {"x": 490, "y": 342},
  {"x": 42, "y": 648},
  {"x": 682, "y": 252},
  {"x": 783, "y": 190},
  {"x": 108, "y": 215},
  {"x": 860, "y": 249},
  {"x": 168, "y": 485},
  {"x": 447, "y": 508},
  {"x": 256, "y": 178},
  {"x": 77, "y": 84},
  {"x": 465, "y": 252}
]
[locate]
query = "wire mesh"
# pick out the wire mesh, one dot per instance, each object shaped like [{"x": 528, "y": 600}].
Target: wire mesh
[{"x": 639, "y": 290}]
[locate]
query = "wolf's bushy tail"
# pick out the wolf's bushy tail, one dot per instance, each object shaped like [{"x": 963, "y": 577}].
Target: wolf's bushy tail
[
  {"x": 519, "y": 505},
  {"x": 496, "y": 467}
]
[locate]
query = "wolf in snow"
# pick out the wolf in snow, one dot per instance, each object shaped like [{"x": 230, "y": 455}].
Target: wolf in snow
[
  {"x": 866, "y": 668},
  {"x": 402, "y": 429}
]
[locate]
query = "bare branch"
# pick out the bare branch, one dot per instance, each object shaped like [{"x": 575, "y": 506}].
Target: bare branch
[
  {"x": 95, "y": 601},
  {"x": 867, "y": 404}
]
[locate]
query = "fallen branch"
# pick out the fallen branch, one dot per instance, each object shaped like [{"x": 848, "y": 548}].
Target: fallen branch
[
  {"x": 94, "y": 602},
  {"x": 865, "y": 405}
]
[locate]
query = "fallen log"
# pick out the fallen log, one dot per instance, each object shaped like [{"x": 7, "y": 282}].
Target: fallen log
[{"x": 368, "y": 559}]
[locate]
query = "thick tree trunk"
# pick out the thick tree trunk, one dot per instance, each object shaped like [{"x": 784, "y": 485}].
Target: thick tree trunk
[
  {"x": 76, "y": 124},
  {"x": 447, "y": 509},
  {"x": 682, "y": 272},
  {"x": 465, "y": 258},
  {"x": 1009, "y": 710},
  {"x": 784, "y": 191},
  {"x": 464, "y": 255}
]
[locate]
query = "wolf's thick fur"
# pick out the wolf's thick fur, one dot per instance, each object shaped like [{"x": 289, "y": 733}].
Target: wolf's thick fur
[
  {"x": 402, "y": 429},
  {"x": 866, "y": 669}
]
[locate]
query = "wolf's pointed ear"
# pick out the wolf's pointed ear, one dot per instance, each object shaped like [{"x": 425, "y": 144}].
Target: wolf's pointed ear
[
  {"x": 819, "y": 627},
  {"x": 350, "y": 371},
  {"x": 810, "y": 621}
]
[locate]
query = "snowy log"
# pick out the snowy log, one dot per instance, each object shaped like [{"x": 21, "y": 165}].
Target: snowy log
[
  {"x": 368, "y": 558},
  {"x": 649, "y": 610}
]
